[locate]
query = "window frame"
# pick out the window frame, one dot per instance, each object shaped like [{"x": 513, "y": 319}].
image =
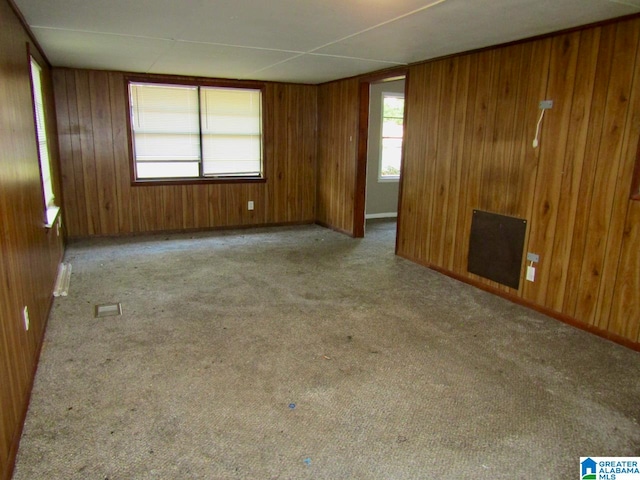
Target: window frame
[
  {"x": 49, "y": 202},
  {"x": 389, "y": 178},
  {"x": 195, "y": 82}
]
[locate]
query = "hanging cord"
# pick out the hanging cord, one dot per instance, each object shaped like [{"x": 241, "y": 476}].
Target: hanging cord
[{"x": 535, "y": 140}]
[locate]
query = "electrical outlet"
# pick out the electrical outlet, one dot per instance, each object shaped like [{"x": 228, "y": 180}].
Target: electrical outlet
[
  {"x": 531, "y": 273},
  {"x": 546, "y": 104},
  {"x": 25, "y": 317},
  {"x": 250, "y": 205},
  {"x": 533, "y": 257}
]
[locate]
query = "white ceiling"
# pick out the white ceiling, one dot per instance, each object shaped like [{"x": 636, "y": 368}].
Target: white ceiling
[{"x": 290, "y": 40}]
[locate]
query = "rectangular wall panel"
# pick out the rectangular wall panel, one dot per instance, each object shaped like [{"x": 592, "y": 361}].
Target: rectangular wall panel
[
  {"x": 573, "y": 190},
  {"x": 96, "y": 167},
  {"x": 30, "y": 252}
]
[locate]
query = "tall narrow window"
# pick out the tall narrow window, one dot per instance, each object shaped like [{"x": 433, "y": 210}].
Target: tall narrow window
[
  {"x": 195, "y": 131},
  {"x": 43, "y": 148},
  {"x": 392, "y": 133}
]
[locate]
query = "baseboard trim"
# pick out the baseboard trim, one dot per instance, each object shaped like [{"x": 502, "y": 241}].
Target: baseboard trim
[
  {"x": 72, "y": 238},
  {"x": 613, "y": 337},
  {"x": 370, "y": 216},
  {"x": 335, "y": 229}
]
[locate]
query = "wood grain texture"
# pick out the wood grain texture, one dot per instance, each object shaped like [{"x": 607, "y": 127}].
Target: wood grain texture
[
  {"x": 96, "y": 171},
  {"x": 470, "y": 123},
  {"x": 337, "y": 154},
  {"x": 30, "y": 253}
]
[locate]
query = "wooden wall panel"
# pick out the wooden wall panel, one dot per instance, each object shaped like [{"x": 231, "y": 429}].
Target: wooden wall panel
[
  {"x": 561, "y": 70},
  {"x": 30, "y": 253},
  {"x": 96, "y": 169},
  {"x": 625, "y": 299},
  {"x": 574, "y": 161},
  {"x": 573, "y": 189},
  {"x": 294, "y": 175},
  {"x": 338, "y": 110}
]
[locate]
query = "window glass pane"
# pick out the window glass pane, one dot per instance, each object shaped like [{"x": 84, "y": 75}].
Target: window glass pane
[
  {"x": 165, "y": 123},
  {"x": 41, "y": 135},
  {"x": 231, "y": 131},
  {"x": 393, "y": 107},
  {"x": 391, "y": 156},
  {"x": 390, "y": 128},
  {"x": 392, "y": 134}
]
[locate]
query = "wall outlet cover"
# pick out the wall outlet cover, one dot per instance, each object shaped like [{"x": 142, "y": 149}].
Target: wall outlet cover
[
  {"x": 531, "y": 274},
  {"x": 25, "y": 317}
]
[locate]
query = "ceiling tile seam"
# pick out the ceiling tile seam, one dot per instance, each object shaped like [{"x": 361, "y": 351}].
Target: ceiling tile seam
[
  {"x": 311, "y": 51},
  {"x": 381, "y": 24},
  {"x": 110, "y": 34},
  {"x": 628, "y": 3},
  {"x": 385, "y": 62},
  {"x": 240, "y": 46},
  {"x": 160, "y": 55},
  {"x": 168, "y": 39},
  {"x": 276, "y": 64},
  {"x": 346, "y": 57}
]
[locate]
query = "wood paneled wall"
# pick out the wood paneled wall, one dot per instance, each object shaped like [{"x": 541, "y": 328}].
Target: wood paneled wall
[
  {"x": 94, "y": 150},
  {"x": 471, "y": 120},
  {"x": 337, "y": 149},
  {"x": 30, "y": 253}
]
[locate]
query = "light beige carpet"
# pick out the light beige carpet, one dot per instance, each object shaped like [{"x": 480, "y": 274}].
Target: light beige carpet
[{"x": 299, "y": 353}]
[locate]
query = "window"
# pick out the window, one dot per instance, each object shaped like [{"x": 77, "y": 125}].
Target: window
[
  {"x": 43, "y": 149},
  {"x": 195, "y": 132},
  {"x": 392, "y": 132}
]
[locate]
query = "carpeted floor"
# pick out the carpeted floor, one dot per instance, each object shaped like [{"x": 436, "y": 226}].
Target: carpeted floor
[{"x": 300, "y": 353}]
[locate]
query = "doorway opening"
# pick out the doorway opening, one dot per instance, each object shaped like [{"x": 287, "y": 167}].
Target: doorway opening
[{"x": 380, "y": 149}]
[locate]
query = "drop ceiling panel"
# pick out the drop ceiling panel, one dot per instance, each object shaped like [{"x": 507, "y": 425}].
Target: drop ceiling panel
[
  {"x": 99, "y": 51},
  {"x": 454, "y": 27},
  {"x": 279, "y": 38},
  {"x": 149, "y": 18},
  {"x": 207, "y": 60},
  {"x": 311, "y": 68},
  {"x": 290, "y": 24}
]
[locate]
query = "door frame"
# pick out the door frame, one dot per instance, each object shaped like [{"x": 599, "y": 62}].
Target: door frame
[{"x": 363, "y": 142}]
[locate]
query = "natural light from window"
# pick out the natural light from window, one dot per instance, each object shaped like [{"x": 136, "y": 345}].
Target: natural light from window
[
  {"x": 51, "y": 210},
  {"x": 191, "y": 131},
  {"x": 392, "y": 134}
]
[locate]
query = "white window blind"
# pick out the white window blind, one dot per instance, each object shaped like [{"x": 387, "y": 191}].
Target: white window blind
[
  {"x": 182, "y": 131},
  {"x": 165, "y": 125},
  {"x": 41, "y": 134},
  {"x": 231, "y": 131}
]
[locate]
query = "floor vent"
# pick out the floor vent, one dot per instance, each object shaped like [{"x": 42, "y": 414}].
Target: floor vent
[{"x": 108, "y": 310}]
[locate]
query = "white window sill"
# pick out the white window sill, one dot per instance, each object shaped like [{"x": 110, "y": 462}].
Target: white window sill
[
  {"x": 52, "y": 215},
  {"x": 388, "y": 179}
]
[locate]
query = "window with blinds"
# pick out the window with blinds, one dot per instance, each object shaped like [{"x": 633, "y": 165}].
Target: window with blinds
[
  {"x": 51, "y": 210},
  {"x": 195, "y": 131}
]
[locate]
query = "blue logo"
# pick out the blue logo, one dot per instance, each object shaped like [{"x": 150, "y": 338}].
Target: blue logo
[
  {"x": 610, "y": 468},
  {"x": 588, "y": 469}
]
